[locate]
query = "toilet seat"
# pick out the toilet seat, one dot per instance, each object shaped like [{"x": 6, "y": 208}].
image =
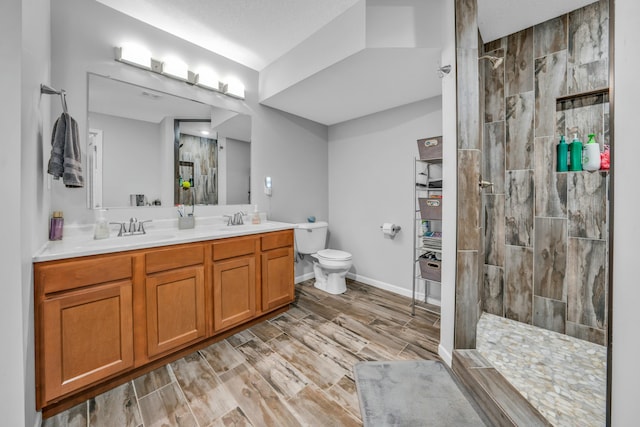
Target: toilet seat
[
  {"x": 333, "y": 255},
  {"x": 333, "y": 259}
]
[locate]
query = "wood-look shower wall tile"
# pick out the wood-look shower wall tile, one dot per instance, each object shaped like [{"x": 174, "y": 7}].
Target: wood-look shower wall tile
[
  {"x": 466, "y": 299},
  {"x": 587, "y": 205},
  {"x": 588, "y": 64},
  {"x": 494, "y": 222},
  {"x": 495, "y": 44},
  {"x": 587, "y": 333},
  {"x": 587, "y": 282},
  {"x": 549, "y": 314},
  {"x": 468, "y": 200},
  {"x": 518, "y": 284},
  {"x": 550, "y": 78},
  {"x": 468, "y": 99},
  {"x": 550, "y": 258},
  {"x": 551, "y": 187},
  {"x": 550, "y": 36},
  {"x": 466, "y": 24},
  {"x": 493, "y": 155},
  {"x": 493, "y": 89},
  {"x": 493, "y": 290},
  {"x": 519, "y": 62},
  {"x": 518, "y": 208},
  {"x": 519, "y": 131}
]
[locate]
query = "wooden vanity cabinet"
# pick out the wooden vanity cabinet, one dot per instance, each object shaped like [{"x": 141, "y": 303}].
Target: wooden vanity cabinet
[
  {"x": 84, "y": 323},
  {"x": 104, "y": 319},
  {"x": 174, "y": 298},
  {"x": 277, "y": 269},
  {"x": 234, "y": 281}
]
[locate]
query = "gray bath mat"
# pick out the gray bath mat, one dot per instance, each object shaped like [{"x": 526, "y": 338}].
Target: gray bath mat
[{"x": 411, "y": 393}]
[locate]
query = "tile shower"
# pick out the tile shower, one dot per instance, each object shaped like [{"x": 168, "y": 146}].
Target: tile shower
[
  {"x": 545, "y": 233},
  {"x": 533, "y": 249}
]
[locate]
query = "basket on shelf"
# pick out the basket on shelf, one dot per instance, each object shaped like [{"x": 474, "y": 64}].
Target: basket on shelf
[
  {"x": 430, "y": 148},
  {"x": 430, "y": 268},
  {"x": 430, "y": 207}
]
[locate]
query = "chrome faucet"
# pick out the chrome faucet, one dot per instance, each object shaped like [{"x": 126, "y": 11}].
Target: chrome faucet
[
  {"x": 235, "y": 219},
  {"x": 135, "y": 227}
]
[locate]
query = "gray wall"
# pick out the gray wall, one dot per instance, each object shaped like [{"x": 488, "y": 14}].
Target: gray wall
[
  {"x": 626, "y": 316},
  {"x": 370, "y": 183},
  {"x": 546, "y": 235},
  {"x": 24, "y": 118}
]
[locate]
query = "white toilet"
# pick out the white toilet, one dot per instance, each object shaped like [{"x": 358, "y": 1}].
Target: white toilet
[{"x": 331, "y": 266}]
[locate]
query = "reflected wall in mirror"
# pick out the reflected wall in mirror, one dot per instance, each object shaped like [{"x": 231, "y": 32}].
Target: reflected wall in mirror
[{"x": 133, "y": 151}]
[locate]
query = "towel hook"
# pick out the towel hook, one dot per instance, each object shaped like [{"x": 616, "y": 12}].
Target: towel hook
[{"x": 48, "y": 90}]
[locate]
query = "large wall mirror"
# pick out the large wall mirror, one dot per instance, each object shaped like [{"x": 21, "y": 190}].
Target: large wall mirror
[{"x": 142, "y": 143}]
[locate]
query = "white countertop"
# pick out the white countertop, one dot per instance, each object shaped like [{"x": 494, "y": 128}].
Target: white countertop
[{"x": 162, "y": 233}]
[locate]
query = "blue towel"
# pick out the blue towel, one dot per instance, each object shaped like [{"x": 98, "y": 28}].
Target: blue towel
[{"x": 66, "y": 157}]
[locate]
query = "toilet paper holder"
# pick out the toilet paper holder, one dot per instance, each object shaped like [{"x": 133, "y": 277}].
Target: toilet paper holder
[{"x": 394, "y": 228}]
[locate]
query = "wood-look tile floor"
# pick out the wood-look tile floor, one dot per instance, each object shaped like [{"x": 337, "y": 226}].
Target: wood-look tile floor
[{"x": 295, "y": 369}]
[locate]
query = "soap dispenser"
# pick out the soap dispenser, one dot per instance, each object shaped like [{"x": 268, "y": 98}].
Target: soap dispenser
[
  {"x": 575, "y": 154},
  {"x": 101, "y": 230},
  {"x": 591, "y": 155},
  {"x": 255, "y": 219},
  {"x": 562, "y": 151}
]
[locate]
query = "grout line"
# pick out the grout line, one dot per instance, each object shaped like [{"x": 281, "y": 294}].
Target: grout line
[
  {"x": 135, "y": 393},
  {"x": 184, "y": 396}
]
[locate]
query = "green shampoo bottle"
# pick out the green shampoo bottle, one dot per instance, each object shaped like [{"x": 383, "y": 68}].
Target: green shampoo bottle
[
  {"x": 575, "y": 154},
  {"x": 562, "y": 152}
]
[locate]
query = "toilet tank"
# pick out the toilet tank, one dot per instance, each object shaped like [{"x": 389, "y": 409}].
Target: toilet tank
[{"x": 310, "y": 236}]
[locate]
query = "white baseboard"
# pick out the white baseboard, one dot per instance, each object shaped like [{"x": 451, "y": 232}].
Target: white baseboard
[
  {"x": 392, "y": 288},
  {"x": 38, "y": 422},
  {"x": 377, "y": 284},
  {"x": 304, "y": 277},
  {"x": 382, "y": 285},
  {"x": 445, "y": 355}
]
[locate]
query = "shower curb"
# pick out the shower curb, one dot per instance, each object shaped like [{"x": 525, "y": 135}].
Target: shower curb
[{"x": 496, "y": 397}]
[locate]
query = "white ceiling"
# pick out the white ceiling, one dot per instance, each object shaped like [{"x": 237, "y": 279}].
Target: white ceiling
[
  {"x": 252, "y": 32},
  {"x": 255, "y": 33}
]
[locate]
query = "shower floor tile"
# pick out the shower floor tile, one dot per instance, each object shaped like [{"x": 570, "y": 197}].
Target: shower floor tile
[{"x": 561, "y": 376}]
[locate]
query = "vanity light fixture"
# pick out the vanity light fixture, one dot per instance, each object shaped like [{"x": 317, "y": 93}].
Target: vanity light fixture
[
  {"x": 175, "y": 68},
  {"x": 138, "y": 56},
  {"x": 234, "y": 88},
  {"x": 208, "y": 80},
  {"x": 134, "y": 55}
]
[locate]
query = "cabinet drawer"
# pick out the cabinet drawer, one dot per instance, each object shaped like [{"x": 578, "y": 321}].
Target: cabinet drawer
[
  {"x": 176, "y": 257},
  {"x": 230, "y": 248},
  {"x": 79, "y": 273},
  {"x": 279, "y": 239}
]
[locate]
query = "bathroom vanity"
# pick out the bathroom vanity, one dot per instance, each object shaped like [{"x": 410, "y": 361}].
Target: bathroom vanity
[{"x": 109, "y": 315}]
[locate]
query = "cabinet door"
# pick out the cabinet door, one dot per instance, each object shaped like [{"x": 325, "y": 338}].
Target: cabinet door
[
  {"x": 88, "y": 337},
  {"x": 175, "y": 308},
  {"x": 277, "y": 278},
  {"x": 234, "y": 291}
]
